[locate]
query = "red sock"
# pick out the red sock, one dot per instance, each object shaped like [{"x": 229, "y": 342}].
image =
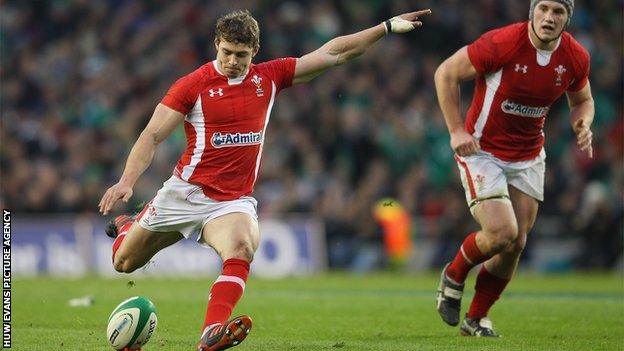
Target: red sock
[
  {"x": 226, "y": 291},
  {"x": 487, "y": 290},
  {"x": 120, "y": 237},
  {"x": 467, "y": 257}
]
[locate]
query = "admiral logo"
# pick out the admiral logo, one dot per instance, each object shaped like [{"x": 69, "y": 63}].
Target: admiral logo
[
  {"x": 513, "y": 108},
  {"x": 219, "y": 140}
]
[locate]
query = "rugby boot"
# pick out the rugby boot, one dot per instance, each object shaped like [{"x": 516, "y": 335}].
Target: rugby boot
[
  {"x": 449, "y": 299},
  {"x": 477, "y": 327},
  {"x": 113, "y": 226},
  {"x": 224, "y": 336}
]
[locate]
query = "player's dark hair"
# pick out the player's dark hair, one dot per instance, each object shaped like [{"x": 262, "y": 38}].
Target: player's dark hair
[{"x": 238, "y": 27}]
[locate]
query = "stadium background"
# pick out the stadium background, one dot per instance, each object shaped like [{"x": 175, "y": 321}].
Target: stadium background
[{"x": 81, "y": 78}]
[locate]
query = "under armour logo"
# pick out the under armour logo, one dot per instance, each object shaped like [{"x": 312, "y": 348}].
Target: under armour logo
[
  {"x": 219, "y": 91},
  {"x": 521, "y": 68}
]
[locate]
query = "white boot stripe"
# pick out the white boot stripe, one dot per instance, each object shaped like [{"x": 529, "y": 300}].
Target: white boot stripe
[{"x": 452, "y": 293}]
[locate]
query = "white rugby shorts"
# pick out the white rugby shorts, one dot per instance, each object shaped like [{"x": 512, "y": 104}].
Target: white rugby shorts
[
  {"x": 182, "y": 207},
  {"x": 487, "y": 177}
]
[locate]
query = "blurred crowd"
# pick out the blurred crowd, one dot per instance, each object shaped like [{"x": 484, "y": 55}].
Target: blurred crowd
[{"x": 80, "y": 79}]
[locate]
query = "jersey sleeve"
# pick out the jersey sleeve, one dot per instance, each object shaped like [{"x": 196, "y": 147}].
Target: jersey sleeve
[
  {"x": 181, "y": 96},
  {"x": 491, "y": 51},
  {"x": 482, "y": 54},
  {"x": 581, "y": 70},
  {"x": 281, "y": 71}
]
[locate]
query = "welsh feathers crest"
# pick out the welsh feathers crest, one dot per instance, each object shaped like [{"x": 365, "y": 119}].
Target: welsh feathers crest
[{"x": 257, "y": 81}]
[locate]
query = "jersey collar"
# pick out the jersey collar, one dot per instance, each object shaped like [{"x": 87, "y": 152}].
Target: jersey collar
[
  {"x": 234, "y": 81},
  {"x": 540, "y": 50},
  {"x": 543, "y": 56}
]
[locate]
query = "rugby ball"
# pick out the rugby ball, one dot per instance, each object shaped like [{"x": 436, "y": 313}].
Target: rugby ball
[{"x": 132, "y": 323}]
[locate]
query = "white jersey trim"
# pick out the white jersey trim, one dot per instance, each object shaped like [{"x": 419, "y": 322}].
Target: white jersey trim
[
  {"x": 266, "y": 122},
  {"x": 231, "y": 81},
  {"x": 196, "y": 119},
  {"x": 543, "y": 56},
  {"x": 492, "y": 82}
]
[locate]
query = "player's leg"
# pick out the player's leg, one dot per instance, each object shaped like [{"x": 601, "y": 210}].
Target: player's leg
[
  {"x": 526, "y": 188},
  {"x": 117, "y": 228},
  {"x": 525, "y": 207},
  {"x": 496, "y": 273},
  {"x": 165, "y": 220},
  {"x": 134, "y": 248},
  {"x": 488, "y": 199},
  {"x": 134, "y": 245},
  {"x": 235, "y": 237},
  {"x": 498, "y": 230}
]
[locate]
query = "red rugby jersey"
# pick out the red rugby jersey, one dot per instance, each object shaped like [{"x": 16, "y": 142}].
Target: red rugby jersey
[
  {"x": 225, "y": 122},
  {"x": 516, "y": 86}
]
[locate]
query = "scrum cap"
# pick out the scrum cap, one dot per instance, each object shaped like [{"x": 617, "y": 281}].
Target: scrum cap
[{"x": 569, "y": 5}]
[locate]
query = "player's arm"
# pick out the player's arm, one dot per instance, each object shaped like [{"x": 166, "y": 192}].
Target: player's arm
[
  {"x": 345, "y": 48},
  {"x": 162, "y": 123},
  {"x": 448, "y": 76},
  {"x": 581, "y": 116}
]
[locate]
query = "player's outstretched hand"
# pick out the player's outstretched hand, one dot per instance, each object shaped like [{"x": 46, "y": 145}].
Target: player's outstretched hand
[
  {"x": 583, "y": 136},
  {"x": 114, "y": 193},
  {"x": 405, "y": 22},
  {"x": 464, "y": 144}
]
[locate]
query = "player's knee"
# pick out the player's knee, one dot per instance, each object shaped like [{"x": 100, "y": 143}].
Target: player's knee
[
  {"x": 122, "y": 265},
  {"x": 242, "y": 250},
  {"x": 502, "y": 236},
  {"x": 516, "y": 247},
  {"x": 119, "y": 265}
]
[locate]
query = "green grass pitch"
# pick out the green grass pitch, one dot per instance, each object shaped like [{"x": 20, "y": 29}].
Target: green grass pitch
[{"x": 329, "y": 312}]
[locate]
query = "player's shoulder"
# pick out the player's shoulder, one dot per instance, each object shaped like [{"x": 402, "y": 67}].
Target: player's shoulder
[
  {"x": 574, "y": 48},
  {"x": 198, "y": 78},
  {"x": 503, "y": 42},
  {"x": 281, "y": 61},
  {"x": 508, "y": 35},
  {"x": 276, "y": 69}
]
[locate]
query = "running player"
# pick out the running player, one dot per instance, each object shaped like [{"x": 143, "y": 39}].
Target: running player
[
  {"x": 225, "y": 107},
  {"x": 520, "y": 71}
]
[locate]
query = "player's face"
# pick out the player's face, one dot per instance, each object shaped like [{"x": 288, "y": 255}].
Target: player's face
[
  {"x": 233, "y": 58},
  {"x": 549, "y": 19}
]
